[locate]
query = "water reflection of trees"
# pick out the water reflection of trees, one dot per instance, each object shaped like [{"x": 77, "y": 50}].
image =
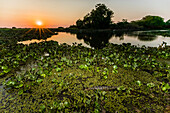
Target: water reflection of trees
[
  {"x": 96, "y": 40},
  {"x": 144, "y": 36},
  {"x": 100, "y": 39},
  {"x": 147, "y": 38}
]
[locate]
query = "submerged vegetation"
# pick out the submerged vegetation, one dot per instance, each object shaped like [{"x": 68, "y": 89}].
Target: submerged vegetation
[{"x": 48, "y": 77}]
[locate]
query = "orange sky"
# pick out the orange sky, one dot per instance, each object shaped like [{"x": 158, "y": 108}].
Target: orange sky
[{"x": 55, "y": 13}]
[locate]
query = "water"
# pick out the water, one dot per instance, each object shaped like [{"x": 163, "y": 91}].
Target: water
[
  {"x": 137, "y": 41},
  {"x": 100, "y": 39},
  {"x": 60, "y": 38}
]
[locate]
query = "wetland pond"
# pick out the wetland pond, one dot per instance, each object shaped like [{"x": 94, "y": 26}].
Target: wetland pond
[
  {"x": 49, "y": 76},
  {"x": 138, "y": 38}
]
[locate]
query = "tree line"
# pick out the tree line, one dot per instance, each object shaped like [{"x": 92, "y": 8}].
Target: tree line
[{"x": 101, "y": 18}]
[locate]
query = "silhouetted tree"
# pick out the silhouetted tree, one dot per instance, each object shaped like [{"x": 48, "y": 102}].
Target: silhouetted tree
[
  {"x": 168, "y": 23},
  {"x": 151, "y": 22},
  {"x": 13, "y": 27},
  {"x": 98, "y": 18},
  {"x": 123, "y": 24},
  {"x": 79, "y": 23}
]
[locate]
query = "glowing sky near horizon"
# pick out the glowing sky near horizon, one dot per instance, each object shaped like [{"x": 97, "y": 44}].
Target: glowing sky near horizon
[{"x": 55, "y": 13}]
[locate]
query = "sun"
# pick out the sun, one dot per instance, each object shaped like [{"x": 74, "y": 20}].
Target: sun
[{"x": 39, "y": 23}]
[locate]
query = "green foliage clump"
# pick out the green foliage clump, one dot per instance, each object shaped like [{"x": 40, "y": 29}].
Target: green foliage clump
[
  {"x": 152, "y": 22},
  {"x": 98, "y": 18}
]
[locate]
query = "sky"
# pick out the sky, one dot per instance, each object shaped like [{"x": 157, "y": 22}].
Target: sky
[{"x": 56, "y": 13}]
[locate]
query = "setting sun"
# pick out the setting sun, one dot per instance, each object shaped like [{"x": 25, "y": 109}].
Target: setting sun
[{"x": 39, "y": 23}]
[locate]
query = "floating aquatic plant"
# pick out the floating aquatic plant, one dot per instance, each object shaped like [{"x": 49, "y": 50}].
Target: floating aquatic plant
[{"x": 59, "y": 82}]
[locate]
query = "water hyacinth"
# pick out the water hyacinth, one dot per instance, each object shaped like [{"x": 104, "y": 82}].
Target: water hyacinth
[
  {"x": 150, "y": 85},
  {"x": 138, "y": 83},
  {"x": 64, "y": 78}
]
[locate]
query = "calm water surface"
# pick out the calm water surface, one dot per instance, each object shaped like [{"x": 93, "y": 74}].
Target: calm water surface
[{"x": 99, "y": 39}]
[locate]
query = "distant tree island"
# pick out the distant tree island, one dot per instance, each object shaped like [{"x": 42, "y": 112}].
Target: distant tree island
[{"x": 101, "y": 18}]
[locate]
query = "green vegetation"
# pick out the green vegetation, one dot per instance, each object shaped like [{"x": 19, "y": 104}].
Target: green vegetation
[
  {"x": 151, "y": 22},
  {"x": 47, "y": 77},
  {"x": 168, "y": 23},
  {"x": 101, "y": 18}
]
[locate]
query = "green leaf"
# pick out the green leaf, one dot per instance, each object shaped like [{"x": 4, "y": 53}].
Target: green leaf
[
  {"x": 19, "y": 78},
  {"x": 39, "y": 80},
  {"x": 46, "y": 65},
  {"x": 150, "y": 85},
  {"x": 60, "y": 63},
  {"x": 33, "y": 69},
  {"x": 54, "y": 80},
  {"x": 115, "y": 71},
  {"x": 138, "y": 83},
  {"x": 105, "y": 77},
  {"x": 105, "y": 69},
  {"x": 104, "y": 73},
  {"x": 96, "y": 111},
  {"x": 43, "y": 75},
  {"x": 24, "y": 48},
  {"x": 7, "y": 70},
  {"x": 63, "y": 59},
  {"x": 115, "y": 67},
  {"x": 4, "y": 67},
  {"x": 121, "y": 88},
  {"x": 104, "y": 92},
  {"x": 125, "y": 65},
  {"x": 66, "y": 104},
  {"x": 59, "y": 69},
  {"x": 20, "y": 92},
  {"x": 88, "y": 101},
  {"x": 19, "y": 86},
  {"x": 83, "y": 67},
  {"x": 164, "y": 88},
  {"x": 163, "y": 52},
  {"x": 111, "y": 55},
  {"x": 2, "y": 74},
  {"x": 10, "y": 83},
  {"x": 167, "y": 86},
  {"x": 42, "y": 107}
]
